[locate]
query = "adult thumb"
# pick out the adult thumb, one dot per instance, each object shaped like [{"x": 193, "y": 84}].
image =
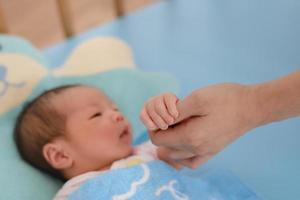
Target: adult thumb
[{"x": 187, "y": 108}]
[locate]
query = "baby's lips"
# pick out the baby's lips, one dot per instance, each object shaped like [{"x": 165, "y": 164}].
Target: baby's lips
[
  {"x": 130, "y": 128},
  {"x": 126, "y": 130}
]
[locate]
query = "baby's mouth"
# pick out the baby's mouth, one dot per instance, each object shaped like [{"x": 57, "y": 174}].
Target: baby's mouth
[{"x": 125, "y": 132}]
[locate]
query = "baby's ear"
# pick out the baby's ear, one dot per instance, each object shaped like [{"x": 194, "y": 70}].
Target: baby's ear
[{"x": 56, "y": 155}]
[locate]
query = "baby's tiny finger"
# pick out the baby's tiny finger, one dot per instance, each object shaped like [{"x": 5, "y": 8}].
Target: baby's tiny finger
[
  {"x": 147, "y": 120},
  {"x": 161, "y": 110},
  {"x": 170, "y": 101},
  {"x": 158, "y": 121}
]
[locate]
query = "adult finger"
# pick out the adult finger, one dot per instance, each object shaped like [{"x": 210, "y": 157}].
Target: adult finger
[
  {"x": 177, "y": 154},
  {"x": 174, "y": 137},
  {"x": 194, "y": 162},
  {"x": 188, "y": 107}
]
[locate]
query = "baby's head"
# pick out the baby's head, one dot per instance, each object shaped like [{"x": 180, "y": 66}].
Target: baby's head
[{"x": 71, "y": 130}]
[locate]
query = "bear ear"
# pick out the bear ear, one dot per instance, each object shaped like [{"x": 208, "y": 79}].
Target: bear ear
[
  {"x": 18, "y": 76},
  {"x": 97, "y": 55}
]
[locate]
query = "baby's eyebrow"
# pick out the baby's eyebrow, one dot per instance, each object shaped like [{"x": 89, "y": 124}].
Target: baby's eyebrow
[
  {"x": 91, "y": 108},
  {"x": 114, "y": 105},
  {"x": 94, "y": 104}
]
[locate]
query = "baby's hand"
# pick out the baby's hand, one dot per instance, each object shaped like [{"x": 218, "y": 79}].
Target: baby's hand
[{"x": 160, "y": 112}]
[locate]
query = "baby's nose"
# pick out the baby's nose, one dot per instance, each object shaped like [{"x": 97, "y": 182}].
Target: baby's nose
[{"x": 117, "y": 117}]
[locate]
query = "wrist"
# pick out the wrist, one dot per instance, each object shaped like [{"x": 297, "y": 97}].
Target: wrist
[
  {"x": 260, "y": 112},
  {"x": 270, "y": 100},
  {"x": 273, "y": 101},
  {"x": 254, "y": 112},
  {"x": 279, "y": 99}
]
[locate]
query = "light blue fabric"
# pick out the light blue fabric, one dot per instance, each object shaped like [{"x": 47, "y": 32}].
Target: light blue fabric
[
  {"x": 128, "y": 88},
  {"x": 157, "y": 180},
  {"x": 14, "y": 44}
]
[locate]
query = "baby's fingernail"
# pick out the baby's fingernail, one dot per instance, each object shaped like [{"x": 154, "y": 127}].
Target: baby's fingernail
[{"x": 152, "y": 128}]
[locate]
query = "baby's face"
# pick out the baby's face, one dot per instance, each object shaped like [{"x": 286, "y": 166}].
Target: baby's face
[{"x": 96, "y": 132}]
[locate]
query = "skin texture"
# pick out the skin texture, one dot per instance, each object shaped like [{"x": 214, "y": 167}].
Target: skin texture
[{"x": 213, "y": 117}]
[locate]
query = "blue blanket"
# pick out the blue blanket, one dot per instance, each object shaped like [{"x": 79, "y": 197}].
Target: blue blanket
[{"x": 157, "y": 180}]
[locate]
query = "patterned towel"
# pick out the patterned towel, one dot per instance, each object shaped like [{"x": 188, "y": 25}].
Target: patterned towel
[{"x": 157, "y": 180}]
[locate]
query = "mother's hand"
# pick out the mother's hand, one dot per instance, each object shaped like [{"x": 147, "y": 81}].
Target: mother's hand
[{"x": 209, "y": 119}]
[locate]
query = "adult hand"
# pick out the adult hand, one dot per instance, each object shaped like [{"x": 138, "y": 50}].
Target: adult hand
[
  {"x": 210, "y": 119},
  {"x": 213, "y": 117}
]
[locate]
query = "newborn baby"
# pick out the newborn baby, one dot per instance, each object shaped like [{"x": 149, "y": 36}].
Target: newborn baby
[{"x": 76, "y": 132}]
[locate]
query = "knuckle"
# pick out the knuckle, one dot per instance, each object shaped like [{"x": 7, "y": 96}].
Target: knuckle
[
  {"x": 158, "y": 106},
  {"x": 198, "y": 101}
]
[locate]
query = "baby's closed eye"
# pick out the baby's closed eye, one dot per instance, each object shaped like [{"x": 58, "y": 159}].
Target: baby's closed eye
[{"x": 97, "y": 114}]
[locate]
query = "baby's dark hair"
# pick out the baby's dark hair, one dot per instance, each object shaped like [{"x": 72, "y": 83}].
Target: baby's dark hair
[{"x": 39, "y": 123}]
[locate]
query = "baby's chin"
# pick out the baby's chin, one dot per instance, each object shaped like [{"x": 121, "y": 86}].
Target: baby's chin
[
  {"x": 126, "y": 137},
  {"x": 130, "y": 151}
]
